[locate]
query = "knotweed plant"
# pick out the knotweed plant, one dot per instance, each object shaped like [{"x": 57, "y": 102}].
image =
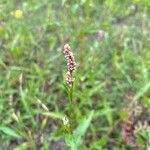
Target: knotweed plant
[
  {"x": 73, "y": 136},
  {"x": 71, "y": 67},
  {"x": 136, "y": 125}
]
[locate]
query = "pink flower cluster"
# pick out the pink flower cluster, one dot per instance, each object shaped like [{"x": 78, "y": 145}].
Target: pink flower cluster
[
  {"x": 128, "y": 131},
  {"x": 134, "y": 123},
  {"x": 71, "y": 65},
  {"x": 69, "y": 78}
]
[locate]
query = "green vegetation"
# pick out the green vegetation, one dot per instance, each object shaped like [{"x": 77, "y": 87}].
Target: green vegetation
[{"x": 110, "y": 41}]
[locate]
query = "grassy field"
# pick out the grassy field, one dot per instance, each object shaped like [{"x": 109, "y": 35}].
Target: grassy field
[{"x": 110, "y": 40}]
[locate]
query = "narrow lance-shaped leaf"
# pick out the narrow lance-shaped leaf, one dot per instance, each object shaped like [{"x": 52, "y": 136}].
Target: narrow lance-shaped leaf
[{"x": 9, "y": 131}]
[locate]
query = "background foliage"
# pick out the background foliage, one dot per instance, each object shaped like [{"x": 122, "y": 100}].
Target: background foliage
[{"x": 110, "y": 71}]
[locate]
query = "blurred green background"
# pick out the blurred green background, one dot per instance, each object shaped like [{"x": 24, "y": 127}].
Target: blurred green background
[{"x": 110, "y": 40}]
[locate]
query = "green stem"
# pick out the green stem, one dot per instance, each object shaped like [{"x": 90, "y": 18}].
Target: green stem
[{"x": 71, "y": 93}]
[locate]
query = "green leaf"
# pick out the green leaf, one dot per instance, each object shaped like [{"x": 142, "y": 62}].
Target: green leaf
[
  {"x": 103, "y": 141},
  {"x": 82, "y": 128},
  {"x": 71, "y": 142},
  {"x": 74, "y": 141},
  {"x": 9, "y": 131},
  {"x": 23, "y": 146},
  {"x": 142, "y": 91},
  {"x": 123, "y": 115},
  {"x": 63, "y": 2}
]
